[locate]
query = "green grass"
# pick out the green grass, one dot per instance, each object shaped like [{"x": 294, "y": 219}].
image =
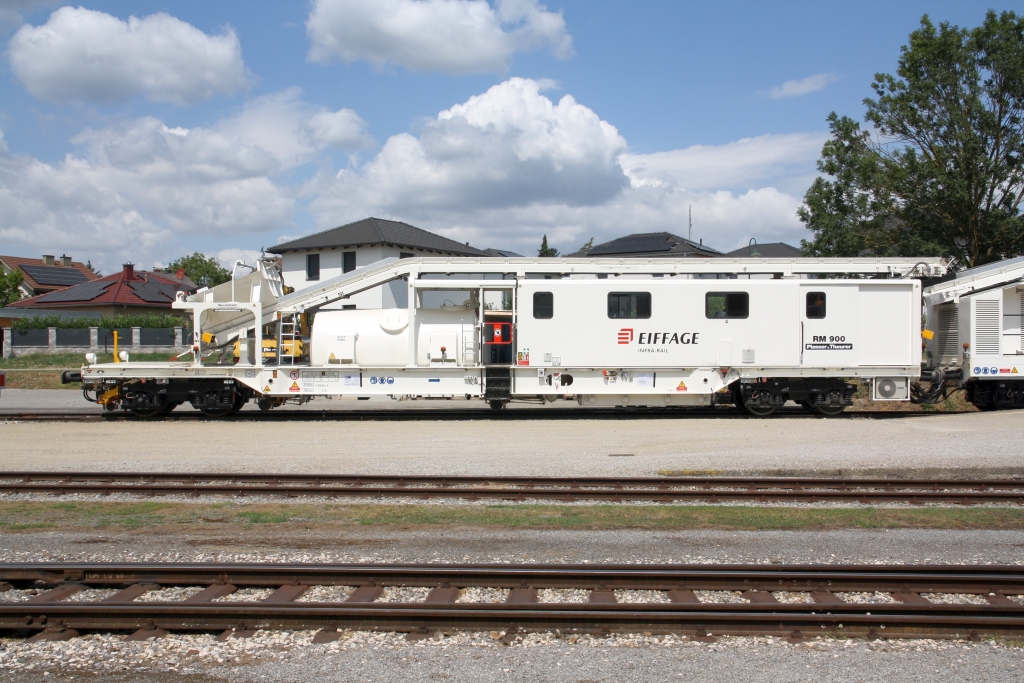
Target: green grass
[
  {"x": 67, "y": 361},
  {"x": 28, "y": 515}
]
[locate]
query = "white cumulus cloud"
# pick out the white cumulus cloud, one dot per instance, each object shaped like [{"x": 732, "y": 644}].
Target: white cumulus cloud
[
  {"x": 89, "y": 56},
  {"x": 450, "y": 36},
  {"x": 802, "y": 86},
  {"x": 140, "y": 189},
  {"x": 510, "y": 165}
]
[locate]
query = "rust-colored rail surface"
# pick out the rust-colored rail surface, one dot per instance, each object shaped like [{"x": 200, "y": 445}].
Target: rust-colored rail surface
[
  {"x": 959, "y": 601},
  {"x": 452, "y": 413},
  {"x": 620, "y": 489}
]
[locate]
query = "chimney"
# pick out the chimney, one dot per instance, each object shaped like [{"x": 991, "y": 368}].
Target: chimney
[
  {"x": 65, "y": 260},
  {"x": 48, "y": 259},
  {"x": 129, "y": 271}
]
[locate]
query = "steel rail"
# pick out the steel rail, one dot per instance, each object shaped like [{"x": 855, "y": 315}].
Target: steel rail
[
  {"x": 518, "y": 488},
  {"x": 449, "y": 414},
  {"x": 49, "y": 615}
]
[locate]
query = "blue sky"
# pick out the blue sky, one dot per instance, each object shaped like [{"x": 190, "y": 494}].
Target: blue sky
[{"x": 225, "y": 127}]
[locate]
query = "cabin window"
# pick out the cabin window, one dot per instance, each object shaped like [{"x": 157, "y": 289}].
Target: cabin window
[
  {"x": 312, "y": 266},
  {"x": 629, "y": 305},
  {"x": 348, "y": 261},
  {"x": 405, "y": 254},
  {"x": 815, "y": 304},
  {"x": 543, "y": 305},
  {"x": 726, "y": 305}
]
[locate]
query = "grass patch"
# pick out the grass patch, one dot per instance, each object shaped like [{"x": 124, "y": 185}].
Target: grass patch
[
  {"x": 27, "y": 515},
  {"x": 264, "y": 517},
  {"x": 67, "y": 361}
]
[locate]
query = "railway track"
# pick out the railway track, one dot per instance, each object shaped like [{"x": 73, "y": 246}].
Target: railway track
[
  {"x": 566, "y": 489},
  {"x": 444, "y": 413},
  {"x": 61, "y": 601}
]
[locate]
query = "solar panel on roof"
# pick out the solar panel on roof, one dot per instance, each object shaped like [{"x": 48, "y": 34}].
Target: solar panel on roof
[
  {"x": 55, "y": 275},
  {"x": 84, "y": 292},
  {"x": 634, "y": 245},
  {"x": 153, "y": 292}
]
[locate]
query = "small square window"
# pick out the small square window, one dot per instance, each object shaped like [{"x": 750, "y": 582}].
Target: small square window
[
  {"x": 815, "y": 304},
  {"x": 726, "y": 305},
  {"x": 543, "y": 305},
  {"x": 629, "y": 305},
  {"x": 312, "y": 266}
]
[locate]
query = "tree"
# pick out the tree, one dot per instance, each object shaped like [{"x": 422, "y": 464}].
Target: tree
[
  {"x": 945, "y": 174},
  {"x": 545, "y": 250},
  {"x": 588, "y": 245},
  {"x": 202, "y": 270},
  {"x": 95, "y": 271},
  {"x": 9, "y": 283}
]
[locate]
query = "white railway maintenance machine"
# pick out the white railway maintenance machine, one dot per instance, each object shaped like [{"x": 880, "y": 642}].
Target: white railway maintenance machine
[
  {"x": 603, "y": 332},
  {"x": 978, "y": 337}
]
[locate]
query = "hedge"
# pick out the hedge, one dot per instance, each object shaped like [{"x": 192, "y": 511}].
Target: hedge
[{"x": 118, "y": 321}]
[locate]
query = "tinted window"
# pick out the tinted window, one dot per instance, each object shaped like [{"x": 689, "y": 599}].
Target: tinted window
[
  {"x": 543, "y": 305},
  {"x": 629, "y": 305},
  {"x": 312, "y": 266},
  {"x": 405, "y": 254},
  {"x": 726, "y": 305},
  {"x": 348, "y": 261},
  {"x": 815, "y": 304}
]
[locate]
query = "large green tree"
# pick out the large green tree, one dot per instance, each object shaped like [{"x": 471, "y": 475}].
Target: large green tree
[
  {"x": 9, "y": 284},
  {"x": 203, "y": 270},
  {"x": 942, "y": 171}
]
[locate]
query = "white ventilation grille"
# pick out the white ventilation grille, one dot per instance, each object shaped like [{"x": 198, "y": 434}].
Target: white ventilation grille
[
  {"x": 949, "y": 332},
  {"x": 748, "y": 355},
  {"x": 987, "y": 330}
]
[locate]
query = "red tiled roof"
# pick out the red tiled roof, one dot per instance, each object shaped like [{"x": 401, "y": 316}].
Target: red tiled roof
[
  {"x": 17, "y": 261},
  {"x": 141, "y": 288}
]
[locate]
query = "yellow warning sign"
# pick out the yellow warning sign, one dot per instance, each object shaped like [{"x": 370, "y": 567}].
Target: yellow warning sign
[
  {"x": 681, "y": 387},
  {"x": 1013, "y": 372},
  {"x": 333, "y": 357},
  {"x": 266, "y": 389},
  {"x": 294, "y": 387}
]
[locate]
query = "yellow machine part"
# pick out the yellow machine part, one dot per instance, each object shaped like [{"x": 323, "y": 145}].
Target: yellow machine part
[
  {"x": 270, "y": 348},
  {"x": 109, "y": 396}
]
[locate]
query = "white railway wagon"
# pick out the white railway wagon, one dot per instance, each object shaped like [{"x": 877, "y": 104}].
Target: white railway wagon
[
  {"x": 602, "y": 332},
  {"x": 976, "y": 335}
]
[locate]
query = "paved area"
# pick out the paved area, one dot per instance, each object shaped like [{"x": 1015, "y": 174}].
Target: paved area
[{"x": 922, "y": 444}]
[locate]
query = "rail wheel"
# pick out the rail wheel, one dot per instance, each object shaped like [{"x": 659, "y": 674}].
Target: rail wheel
[
  {"x": 146, "y": 413},
  {"x": 759, "y": 410},
  {"x": 827, "y": 411},
  {"x": 240, "y": 401},
  {"x": 217, "y": 412},
  {"x": 497, "y": 405},
  {"x": 754, "y": 409}
]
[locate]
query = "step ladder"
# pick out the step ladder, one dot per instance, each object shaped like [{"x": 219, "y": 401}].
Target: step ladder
[{"x": 287, "y": 333}]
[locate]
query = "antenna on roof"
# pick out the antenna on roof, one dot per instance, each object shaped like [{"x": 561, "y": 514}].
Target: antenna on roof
[{"x": 689, "y": 210}]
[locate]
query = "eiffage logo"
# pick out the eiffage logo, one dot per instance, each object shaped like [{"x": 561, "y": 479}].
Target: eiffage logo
[{"x": 625, "y": 335}]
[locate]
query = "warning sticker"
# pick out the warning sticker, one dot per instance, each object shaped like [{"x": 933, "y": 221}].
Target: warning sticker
[
  {"x": 294, "y": 387},
  {"x": 681, "y": 387},
  {"x": 266, "y": 389},
  {"x": 332, "y": 357}
]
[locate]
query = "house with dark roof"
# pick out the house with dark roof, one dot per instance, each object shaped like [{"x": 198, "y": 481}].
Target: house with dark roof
[
  {"x": 324, "y": 255},
  {"x": 648, "y": 245},
  {"x": 48, "y": 274},
  {"x": 767, "y": 250},
  {"x": 127, "y": 291}
]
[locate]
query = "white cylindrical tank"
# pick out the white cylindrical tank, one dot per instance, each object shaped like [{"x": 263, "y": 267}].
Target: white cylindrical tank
[{"x": 380, "y": 337}]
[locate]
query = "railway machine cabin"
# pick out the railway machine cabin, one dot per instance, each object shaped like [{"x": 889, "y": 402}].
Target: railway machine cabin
[
  {"x": 603, "y": 332},
  {"x": 975, "y": 335}
]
